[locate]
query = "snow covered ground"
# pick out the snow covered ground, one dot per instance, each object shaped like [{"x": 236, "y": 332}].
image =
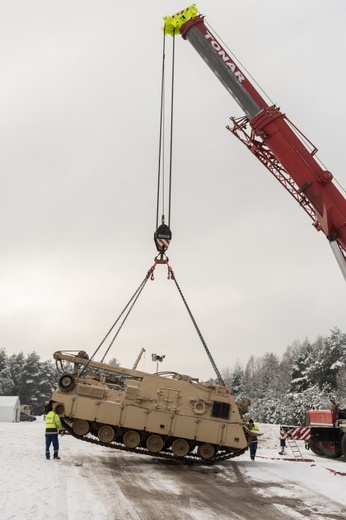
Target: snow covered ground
[{"x": 96, "y": 483}]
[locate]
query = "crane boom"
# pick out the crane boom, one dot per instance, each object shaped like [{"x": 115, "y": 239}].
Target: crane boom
[{"x": 270, "y": 136}]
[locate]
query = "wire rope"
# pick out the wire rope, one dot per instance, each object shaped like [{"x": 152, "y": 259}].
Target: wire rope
[
  {"x": 239, "y": 62},
  {"x": 161, "y": 193},
  {"x": 132, "y": 300},
  {"x": 161, "y": 135},
  {"x": 211, "y": 359},
  {"x": 171, "y": 135}
]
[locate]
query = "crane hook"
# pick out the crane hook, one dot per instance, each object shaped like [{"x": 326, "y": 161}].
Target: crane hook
[{"x": 162, "y": 238}]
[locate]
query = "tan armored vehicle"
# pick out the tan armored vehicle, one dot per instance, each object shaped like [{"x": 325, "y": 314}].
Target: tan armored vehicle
[{"x": 167, "y": 414}]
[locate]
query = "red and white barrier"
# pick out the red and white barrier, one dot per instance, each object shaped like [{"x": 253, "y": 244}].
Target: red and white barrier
[{"x": 298, "y": 433}]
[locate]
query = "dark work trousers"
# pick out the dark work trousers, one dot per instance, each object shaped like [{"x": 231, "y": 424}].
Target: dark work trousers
[
  {"x": 253, "y": 449},
  {"x": 52, "y": 438}
]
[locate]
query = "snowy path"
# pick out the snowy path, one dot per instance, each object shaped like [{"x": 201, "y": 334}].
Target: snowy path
[{"x": 96, "y": 483}]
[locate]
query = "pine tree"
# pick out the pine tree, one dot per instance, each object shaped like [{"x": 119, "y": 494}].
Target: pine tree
[
  {"x": 303, "y": 367},
  {"x": 47, "y": 382},
  {"x": 114, "y": 361},
  {"x": 227, "y": 375},
  {"x": 237, "y": 380},
  {"x": 16, "y": 364},
  {"x": 30, "y": 379},
  {"x": 332, "y": 358},
  {"x": 6, "y": 382}
]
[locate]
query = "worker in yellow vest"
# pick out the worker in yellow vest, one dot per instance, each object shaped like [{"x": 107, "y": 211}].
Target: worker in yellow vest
[
  {"x": 53, "y": 425},
  {"x": 253, "y": 439}
]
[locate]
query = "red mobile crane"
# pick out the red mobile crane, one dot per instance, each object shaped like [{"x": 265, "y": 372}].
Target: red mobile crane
[
  {"x": 290, "y": 157},
  {"x": 271, "y": 136}
]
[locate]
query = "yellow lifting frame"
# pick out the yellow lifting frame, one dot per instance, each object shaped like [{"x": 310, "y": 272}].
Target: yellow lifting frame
[{"x": 174, "y": 23}]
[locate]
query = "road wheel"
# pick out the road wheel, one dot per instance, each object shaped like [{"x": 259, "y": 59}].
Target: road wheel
[
  {"x": 315, "y": 447},
  {"x": 67, "y": 382},
  {"x": 106, "y": 434},
  {"x": 155, "y": 443},
  {"x": 206, "y": 451},
  {"x": 331, "y": 450},
  {"x": 132, "y": 439},
  {"x": 343, "y": 444},
  {"x": 80, "y": 427},
  {"x": 180, "y": 447}
]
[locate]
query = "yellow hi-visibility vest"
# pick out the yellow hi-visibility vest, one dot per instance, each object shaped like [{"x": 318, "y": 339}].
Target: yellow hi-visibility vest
[{"x": 53, "y": 423}]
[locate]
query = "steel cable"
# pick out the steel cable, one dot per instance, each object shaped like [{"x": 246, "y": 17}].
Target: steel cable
[
  {"x": 216, "y": 370},
  {"x": 133, "y": 299}
]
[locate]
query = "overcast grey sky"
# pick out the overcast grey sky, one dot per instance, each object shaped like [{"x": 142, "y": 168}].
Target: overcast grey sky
[{"x": 80, "y": 100}]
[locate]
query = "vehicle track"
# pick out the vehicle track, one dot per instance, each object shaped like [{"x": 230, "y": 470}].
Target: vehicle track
[{"x": 167, "y": 454}]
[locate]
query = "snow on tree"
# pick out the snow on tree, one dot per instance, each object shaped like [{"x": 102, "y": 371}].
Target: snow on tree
[{"x": 6, "y": 382}]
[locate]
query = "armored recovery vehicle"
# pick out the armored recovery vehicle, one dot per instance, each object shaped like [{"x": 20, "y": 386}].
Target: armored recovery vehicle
[{"x": 165, "y": 414}]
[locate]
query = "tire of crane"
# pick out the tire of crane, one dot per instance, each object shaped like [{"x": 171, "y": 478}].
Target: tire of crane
[
  {"x": 131, "y": 439},
  {"x": 155, "y": 443},
  {"x": 315, "y": 447},
  {"x": 180, "y": 447},
  {"x": 106, "y": 433},
  {"x": 330, "y": 449},
  {"x": 343, "y": 444},
  {"x": 67, "y": 382},
  {"x": 206, "y": 451},
  {"x": 80, "y": 427}
]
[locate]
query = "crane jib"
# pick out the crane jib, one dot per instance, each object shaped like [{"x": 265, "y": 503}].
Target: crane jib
[
  {"x": 270, "y": 123},
  {"x": 223, "y": 66},
  {"x": 272, "y": 138}
]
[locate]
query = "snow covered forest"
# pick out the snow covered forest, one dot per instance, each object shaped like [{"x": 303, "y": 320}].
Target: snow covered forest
[
  {"x": 306, "y": 376},
  {"x": 28, "y": 377}
]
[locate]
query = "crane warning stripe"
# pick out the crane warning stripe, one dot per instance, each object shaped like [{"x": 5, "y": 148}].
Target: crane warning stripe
[
  {"x": 295, "y": 432},
  {"x": 164, "y": 243}
]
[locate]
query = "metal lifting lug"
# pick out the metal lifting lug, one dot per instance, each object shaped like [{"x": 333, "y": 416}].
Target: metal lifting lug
[{"x": 161, "y": 258}]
